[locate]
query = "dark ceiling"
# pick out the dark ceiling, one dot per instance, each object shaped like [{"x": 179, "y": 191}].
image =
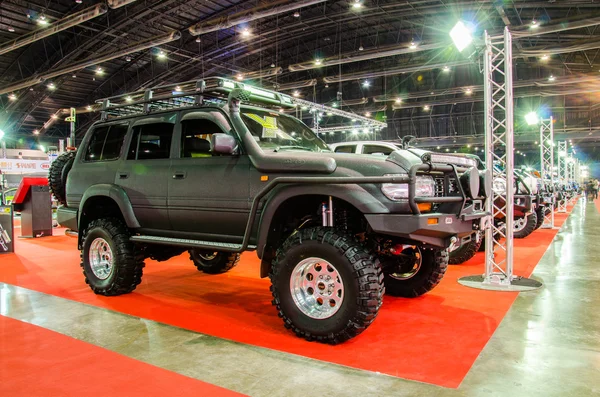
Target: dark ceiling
[{"x": 330, "y": 31}]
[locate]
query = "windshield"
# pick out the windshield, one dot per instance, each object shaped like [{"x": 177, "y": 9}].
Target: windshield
[{"x": 276, "y": 132}]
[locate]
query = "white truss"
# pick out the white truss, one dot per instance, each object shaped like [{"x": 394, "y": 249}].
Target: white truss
[
  {"x": 499, "y": 147},
  {"x": 547, "y": 164},
  {"x": 562, "y": 173}
]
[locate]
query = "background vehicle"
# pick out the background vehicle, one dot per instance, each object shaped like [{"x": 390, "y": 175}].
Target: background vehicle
[{"x": 211, "y": 176}]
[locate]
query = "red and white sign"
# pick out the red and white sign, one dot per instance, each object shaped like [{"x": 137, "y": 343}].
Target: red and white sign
[{"x": 18, "y": 166}]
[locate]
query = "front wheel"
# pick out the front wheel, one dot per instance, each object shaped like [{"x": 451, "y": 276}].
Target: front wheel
[
  {"x": 109, "y": 261},
  {"x": 524, "y": 226},
  {"x": 214, "y": 262},
  {"x": 325, "y": 285},
  {"x": 415, "y": 271}
]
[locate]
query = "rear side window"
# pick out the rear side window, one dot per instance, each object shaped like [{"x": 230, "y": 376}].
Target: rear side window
[
  {"x": 345, "y": 149},
  {"x": 151, "y": 142},
  {"x": 106, "y": 143},
  {"x": 376, "y": 149}
]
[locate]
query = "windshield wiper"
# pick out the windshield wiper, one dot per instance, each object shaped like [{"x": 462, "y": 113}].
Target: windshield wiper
[{"x": 278, "y": 148}]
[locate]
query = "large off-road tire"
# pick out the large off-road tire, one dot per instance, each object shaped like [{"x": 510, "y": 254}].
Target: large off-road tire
[
  {"x": 415, "y": 272},
  {"x": 466, "y": 251},
  {"x": 57, "y": 176},
  {"x": 110, "y": 263},
  {"x": 326, "y": 286},
  {"x": 524, "y": 226},
  {"x": 214, "y": 262},
  {"x": 540, "y": 213}
]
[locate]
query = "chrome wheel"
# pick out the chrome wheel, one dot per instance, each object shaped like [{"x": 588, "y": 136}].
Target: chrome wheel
[
  {"x": 208, "y": 256},
  {"x": 519, "y": 224},
  {"x": 101, "y": 258},
  {"x": 317, "y": 288},
  {"x": 409, "y": 263}
]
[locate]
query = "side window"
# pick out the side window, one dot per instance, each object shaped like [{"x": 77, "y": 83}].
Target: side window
[
  {"x": 376, "y": 149},
  {"x": 345, "y": 149},
  {"x": 94, "y": 149},
  {"x": 196, "y": 136},
  {"x": 114, "y": 142},
  {"x": 151, "y": 141}
]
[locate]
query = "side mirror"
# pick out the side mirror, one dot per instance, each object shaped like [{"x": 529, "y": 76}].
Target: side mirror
[{"x": 223, "y": 144}]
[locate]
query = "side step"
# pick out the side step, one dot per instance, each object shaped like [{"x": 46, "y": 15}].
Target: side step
[{"x": 227, "y": 247}]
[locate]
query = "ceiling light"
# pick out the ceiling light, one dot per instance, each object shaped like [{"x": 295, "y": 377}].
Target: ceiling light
[
  {"x": 1, "y": 134},
  {"x": 296, "y": 14},
  {"x": 398, "y": 100},
  {"x": 128, "y": 58},
  {"x": 412, "y": 45},
  {"x": 11, "y": 29},
  {"x": 355, "y": 131},
  {"x": 51, "y": 86},
  {"x": 469, "y": 146},
  {"x": 99, "y": 71},
  {"x": 446, "y": 69},
  {"x": 447, "y": 149},
  {"x": 360, "y": 48},
  {"x": 178, "y": 89},
  {"x": 334, "y": 105},
  {"x": 54, "y": 116},
  {"x": 535, "y": 24},
  {"x": 296, "y": 94},
  {"x": 468, "y": 91},
  {"x": 366, "y": 131},
  {"x": 329, "y": 114},
  {"x": 368, "y": 114},
  {"x": 532, "y": 118},
  {"x": 438, "y": 148},
  {"x": 318, "y": 62},
  {"x": 239, "y": 77},
  {"x": 162, "y": 55},
  {"x": 198, "y": 40},
  {"x": 551, "y": 78},
  {"x": 545, "y": 57},
  {"x": 246, "y": 33},
  {"x": 36, "y": 132},
  {"x": 426, "y": 107},
  {"x": 357, "y": 4},
  {"x": 78, "y": 1},
  {"x": 42, "y": 20},
  {"x": 366, "y": 84},
  {"x": 12, "y": 97},
  {"x": 88, "y": 107},
  {"x": 272, "y": 65},
  {"x": 461, "y": 36},
  {"x": 129, "y": 99}
]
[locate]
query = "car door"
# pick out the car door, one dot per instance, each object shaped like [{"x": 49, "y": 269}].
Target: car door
[
  {"x": 208, "y": 193},
  {"x": 146, "y": 170}
]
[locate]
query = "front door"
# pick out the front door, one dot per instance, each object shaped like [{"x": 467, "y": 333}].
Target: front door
[
  {"x": 208, "y": 193},
  {"x": 146, "y": 171}
]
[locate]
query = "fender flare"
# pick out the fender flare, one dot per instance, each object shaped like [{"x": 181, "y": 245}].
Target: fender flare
[
  {"x": 355, "y": 195},
  {"x": 118, "y": 195}
]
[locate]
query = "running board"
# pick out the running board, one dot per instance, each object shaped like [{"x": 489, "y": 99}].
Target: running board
[{"x": 211, "y": 245}]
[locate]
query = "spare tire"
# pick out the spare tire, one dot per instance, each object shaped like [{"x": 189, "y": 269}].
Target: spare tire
[{"x": 57, "y": 176}]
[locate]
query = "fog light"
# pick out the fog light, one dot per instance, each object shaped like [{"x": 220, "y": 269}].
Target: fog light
[
  {"x": 424, "y": 207},
  {"x": 485, "y": 183},
  {"x": 470, "y": 182},
  {"x": 433, "y": 221}
]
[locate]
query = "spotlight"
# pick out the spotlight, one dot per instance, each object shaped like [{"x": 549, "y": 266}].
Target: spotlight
[
  {"x": 99, "y": 71},
  {"x": 88, "y": 107},
  {"x": 551, "y": 78},
  {"x": 198, "y": 40},
  {"x": 360, "y": 48},
  {"x": 129, "y": 99},
  {"x": 11, "y": 29},
  {"x": 246, "y": 33},
  {"x": 334, "y": 105},
  {"x": 398, "y": 100},
  {"x": 468, "y": 91},
  {"x": 446, "y": 69},
  {"x": 296, "y": 14},
  {"x": 51, "y": 86},
  {"x": 54, "y": 116},
  {"x": 12, "y": 97},
  {"x": 42, "y": 20},
  {"x": 239, "y": 77},
  {"x": 461, "y": 36},
  {"x": 357, "y": 5},
  {"x": 426, "y": 107},
  {"x": 128, "y": 58},
  {"x": 532, "y": 118},
  {"x": 545, "y": 57},
  {"x": 36, "y": 132},
  {"x": 438, "y": 148},
  {"x": 296, "y": 94},
  {"x": 535, "y": 24},
  {"x": 272, "y": 65},
  {"x": 178, "y": 89},
  {"x": 366, "y": 131},
  {"x": 74, "y": 76},
  {"x": 368, "y": 114},
  {"x": 1, "y": 134},
  {"x": 412, "y": 45},
  {"x": 318, "y": 62},
  {"x": 366, "y": 84},
  {"x": 162, "y": 55}
]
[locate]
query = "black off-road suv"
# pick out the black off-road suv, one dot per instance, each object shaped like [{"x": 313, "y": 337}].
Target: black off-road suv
[{"x": 218, "y": 168}]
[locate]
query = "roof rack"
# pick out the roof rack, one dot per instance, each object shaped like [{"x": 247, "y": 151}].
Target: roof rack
[{"x": 213, "y": 89}]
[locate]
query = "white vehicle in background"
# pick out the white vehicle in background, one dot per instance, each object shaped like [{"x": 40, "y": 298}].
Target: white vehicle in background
[{"x": 366, "y": 147}]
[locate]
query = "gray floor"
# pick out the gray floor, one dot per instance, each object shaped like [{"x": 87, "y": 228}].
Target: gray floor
[{"x": 548, "y": 344}]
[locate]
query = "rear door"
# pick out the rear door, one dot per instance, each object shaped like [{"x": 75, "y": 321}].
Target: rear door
[
  {"x": 146, "y": 170},
  {"x": 208, "y": 193}
]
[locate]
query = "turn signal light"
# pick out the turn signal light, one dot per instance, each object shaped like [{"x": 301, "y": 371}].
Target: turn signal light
[
  {"x": 424, "y": 207},
  {"x": 433, "y": 221},
  {"x": 264, "y": 178}
]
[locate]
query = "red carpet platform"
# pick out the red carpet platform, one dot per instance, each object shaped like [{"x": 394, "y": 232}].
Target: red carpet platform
[
  {"x": 435, "y": 338},
  {"x": 38, "y": 362}
]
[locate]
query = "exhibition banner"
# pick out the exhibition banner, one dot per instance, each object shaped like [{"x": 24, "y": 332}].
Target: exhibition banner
[{"x": 19, "y": 166}]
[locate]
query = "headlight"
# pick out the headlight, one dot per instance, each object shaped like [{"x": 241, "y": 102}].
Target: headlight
[
  {"x": 425, "y": 187},
  {"x": 450, "y": 159}
]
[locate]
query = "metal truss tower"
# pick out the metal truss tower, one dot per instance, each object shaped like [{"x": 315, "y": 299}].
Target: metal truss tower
[
  {"x": 562, "y": 173},
  {"x": 499, "y": 158},
  {"x": 547, "y": 163}
]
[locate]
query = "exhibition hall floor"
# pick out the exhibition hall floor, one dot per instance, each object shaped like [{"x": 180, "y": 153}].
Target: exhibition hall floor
[{"x": 222, "y": 330}]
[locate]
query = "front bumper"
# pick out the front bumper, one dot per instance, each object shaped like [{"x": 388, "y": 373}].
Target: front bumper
[{"x": 523, "y": 204}]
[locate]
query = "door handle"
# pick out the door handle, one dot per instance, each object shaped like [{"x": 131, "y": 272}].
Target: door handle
[
  {"x": 179, "y": 175},
  {"x": 123, "y": 175}
]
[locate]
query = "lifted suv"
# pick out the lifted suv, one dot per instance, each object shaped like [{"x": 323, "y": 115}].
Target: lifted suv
[{"x": 198, "y": 171}]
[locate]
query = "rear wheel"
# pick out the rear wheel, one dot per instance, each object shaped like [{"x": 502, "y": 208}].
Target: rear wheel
[
  {"x": 214, "y": 262},
  {"x": 325, "y": 285},
  {"x": 466, "y": 251},
  {"x": 415, "y": 271},
  {"x": 109, "y": 261},
  {"x": 524, "y": 226}
]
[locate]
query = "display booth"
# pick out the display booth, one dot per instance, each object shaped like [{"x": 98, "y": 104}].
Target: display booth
[
  {"x": 33, "y": 200},
  {"x": 6, "y": 229}
]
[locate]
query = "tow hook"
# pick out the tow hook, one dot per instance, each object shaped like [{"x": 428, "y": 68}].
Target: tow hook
[{"x": 452, "y": 246}]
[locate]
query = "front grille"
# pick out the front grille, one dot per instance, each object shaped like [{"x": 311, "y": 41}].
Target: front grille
[
  {"x": 439, "y": 187},
  {"x": 453, "y": 187},
  {"x": 449, "y": 188}
]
